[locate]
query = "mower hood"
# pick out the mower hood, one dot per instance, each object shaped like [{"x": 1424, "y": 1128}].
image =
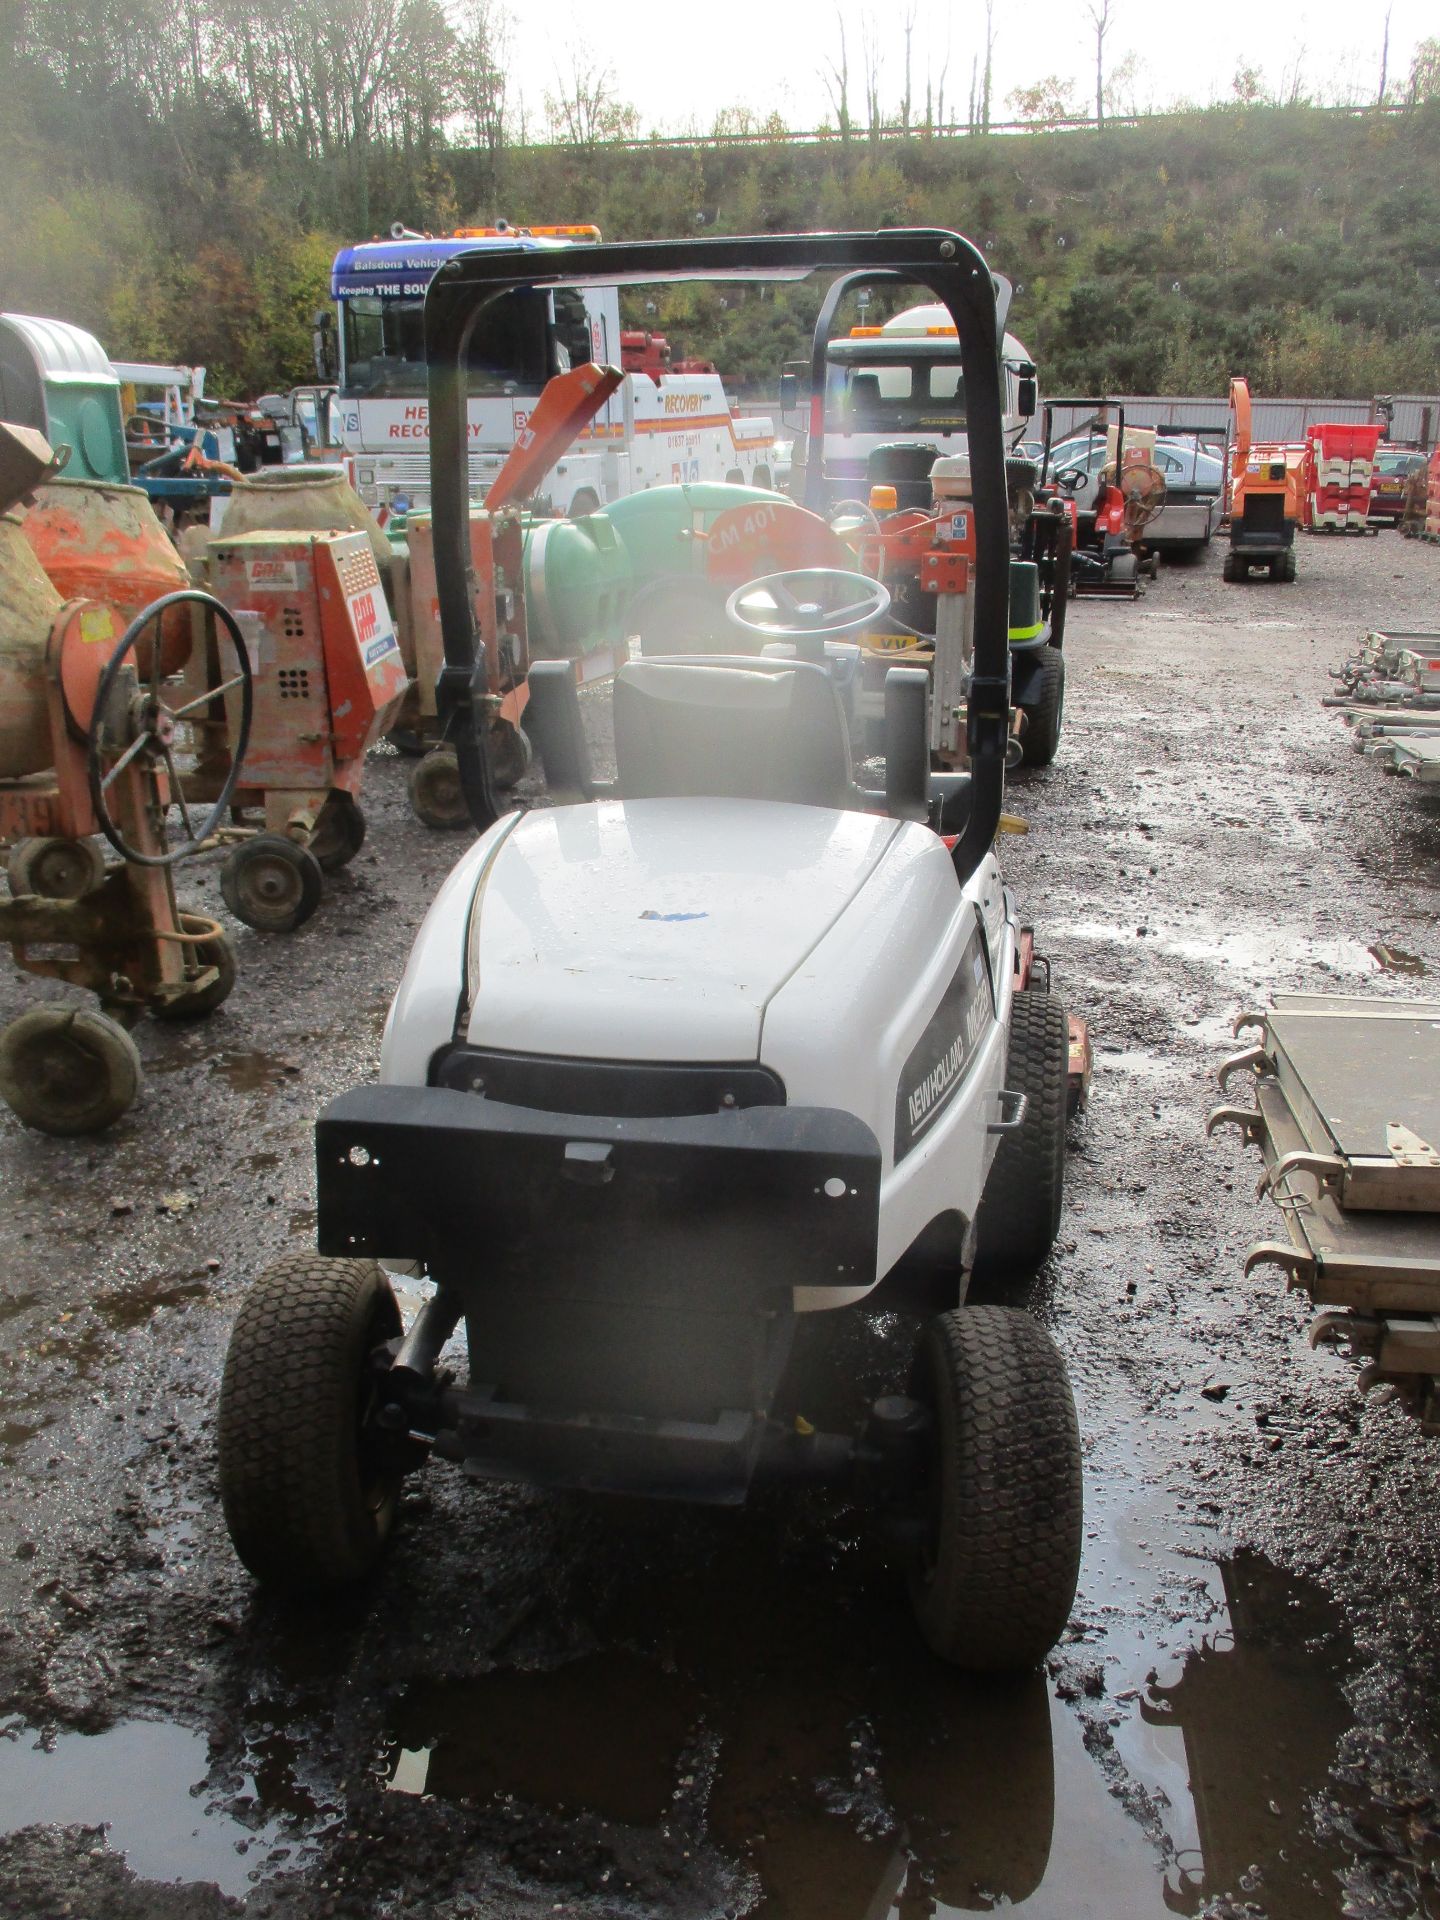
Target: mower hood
[{"x": 648, "y": 930}]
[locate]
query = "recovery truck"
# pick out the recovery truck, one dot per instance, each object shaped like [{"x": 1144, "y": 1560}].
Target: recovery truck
[
  {"x": 659, "y": 428},
  {"x": 887, "y": 401}
]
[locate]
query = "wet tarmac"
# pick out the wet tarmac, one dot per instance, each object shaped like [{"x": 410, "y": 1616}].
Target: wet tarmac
[{"x": 551, "y": 1705}]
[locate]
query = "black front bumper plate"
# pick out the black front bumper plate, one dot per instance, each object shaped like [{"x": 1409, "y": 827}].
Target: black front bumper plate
[{"x": 752, "y": 1202}]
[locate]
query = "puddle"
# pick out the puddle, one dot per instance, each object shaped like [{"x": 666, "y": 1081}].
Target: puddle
[
  {"x": 1395, "y": 959},
  {"x": 144, "y": 1781},
  {"x": 1242, "y": 1735},
  {"x": 252, "y": 1072},
  {"x": 174, "y": 1526},
  {"x": 135, "y": 1306},
  {"x": 1135, "y": 1064},
  {"x": 15, "y": 1434},
  {"x": 949, "y": 1795},
  {"x": 602, "y": 1733},
  {"x": 1175, "y": 1760},
  {"x": 1256, "y": 952}
]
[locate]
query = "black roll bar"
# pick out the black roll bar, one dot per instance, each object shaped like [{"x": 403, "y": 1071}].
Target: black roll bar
[
  {"x": 951, "y": 267},
  {"x": 815, "y": 490}
]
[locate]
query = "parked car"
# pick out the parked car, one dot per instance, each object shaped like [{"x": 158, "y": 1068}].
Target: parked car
[
  {"x": 1393, "y": 468},
  {"x": 1194, "y": 483},
  {"x": 1183, "y": 462}
]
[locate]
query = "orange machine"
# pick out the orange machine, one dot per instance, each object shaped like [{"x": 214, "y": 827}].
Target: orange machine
[
  {"x": 1267, "y": 497},
  {"x": 503, "y": 550},
  {"x": 328, "y": 680},
  {"x": 90, "y": 745}
]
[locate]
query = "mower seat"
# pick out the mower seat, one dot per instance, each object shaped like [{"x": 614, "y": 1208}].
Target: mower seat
[{"x": 738, "y": 728}]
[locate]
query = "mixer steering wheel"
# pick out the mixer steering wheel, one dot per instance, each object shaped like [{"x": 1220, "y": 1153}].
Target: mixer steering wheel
[
  {"x": 807, "y": 603},
  {"x": 131, "y": 725}
]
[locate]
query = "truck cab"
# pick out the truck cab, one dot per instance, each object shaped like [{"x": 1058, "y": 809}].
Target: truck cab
[
  {"x": 889, "y": 399},
  {"x": 663, "y": 425}
]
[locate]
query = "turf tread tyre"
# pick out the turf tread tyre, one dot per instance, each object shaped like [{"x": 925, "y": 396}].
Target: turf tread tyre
[
  {"x": 995, "y": 1590},
  {"x": 1019, "y": 1214},
  {"x": 305, "y": 1510},
  {"x": 1041, "y": 739}
]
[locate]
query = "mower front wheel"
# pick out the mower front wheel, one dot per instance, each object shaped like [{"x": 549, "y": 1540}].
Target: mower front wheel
[
  {"x": 1019, "y": 1214},
  {"x": 66, "y": 1070},
  {"x": 271, "y": 883},
  {"x": 309, "y": 1482},
  {"x": 995, "y": 1579},
  {"x": 1040, "y": 741}
]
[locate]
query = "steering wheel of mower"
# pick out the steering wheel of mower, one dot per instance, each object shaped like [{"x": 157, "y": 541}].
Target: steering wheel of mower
[
  {"x": 807, "y": 603},
  {"x": 127, "y": 727}
]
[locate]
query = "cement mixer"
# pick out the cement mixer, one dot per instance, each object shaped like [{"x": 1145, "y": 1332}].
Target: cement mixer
[
  {"x": 305, "y": 571},
  {"x": 91, "y": 744}
]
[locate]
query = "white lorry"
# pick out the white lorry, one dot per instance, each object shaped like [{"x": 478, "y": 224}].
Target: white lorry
[
  {"x": 898, "y": 387},
  {"x": 655, "y": 431}
]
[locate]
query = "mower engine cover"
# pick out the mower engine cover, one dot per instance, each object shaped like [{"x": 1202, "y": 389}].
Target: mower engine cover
[{"x": 837, "y": 969}]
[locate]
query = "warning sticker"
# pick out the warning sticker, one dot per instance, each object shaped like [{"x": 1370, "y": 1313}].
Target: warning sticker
[{"x": 97, "y": 626}]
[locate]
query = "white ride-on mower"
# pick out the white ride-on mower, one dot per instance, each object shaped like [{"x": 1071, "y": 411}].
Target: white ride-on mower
[{"x": 687, "y": 1056}]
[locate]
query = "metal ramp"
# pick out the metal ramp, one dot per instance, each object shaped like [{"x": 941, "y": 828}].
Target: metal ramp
[{"x": 1347, "y": 1121}]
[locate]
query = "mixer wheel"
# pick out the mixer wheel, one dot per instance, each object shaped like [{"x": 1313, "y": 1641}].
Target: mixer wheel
[
  {"x": 271, "y": 883},
  {"x": 339, "y": 832},
  {"x": 435, "y": 791},
  {"x": 216, "y": 953},
  {"x": 53, "y": 868},
  {"x": 66, "y": 1070},
  {"x": 511, "y": 754}
]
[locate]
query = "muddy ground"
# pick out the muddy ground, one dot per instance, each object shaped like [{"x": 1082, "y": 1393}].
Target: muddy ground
[{"x": 553, "y": 1706}]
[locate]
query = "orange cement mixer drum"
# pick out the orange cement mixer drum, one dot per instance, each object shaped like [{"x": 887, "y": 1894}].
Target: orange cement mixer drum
[
  {"x": 99, "y": 542},
  {"x": 88, "y": 637},
  {"x": 28, "y": 606}
]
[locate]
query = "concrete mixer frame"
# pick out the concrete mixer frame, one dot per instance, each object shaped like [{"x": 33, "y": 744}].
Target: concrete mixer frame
[{"x": 121, "y": 933}]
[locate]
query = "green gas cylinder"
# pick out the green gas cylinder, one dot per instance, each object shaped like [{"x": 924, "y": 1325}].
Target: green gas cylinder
[{"x": 577, "y": 586}]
